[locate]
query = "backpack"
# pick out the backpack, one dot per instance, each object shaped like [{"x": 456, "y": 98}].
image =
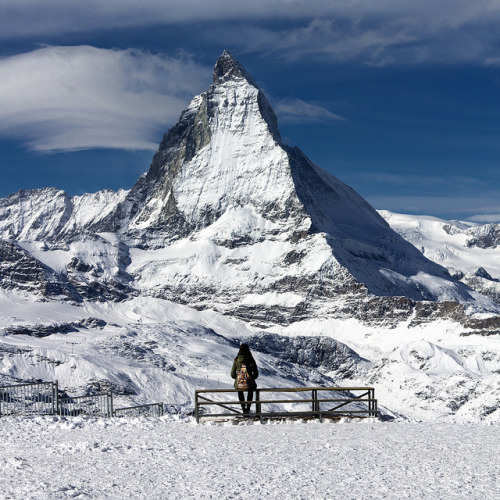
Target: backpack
[{"x": 243, "y": 378}]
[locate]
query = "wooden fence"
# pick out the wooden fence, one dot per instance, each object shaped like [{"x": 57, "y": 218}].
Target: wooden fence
[{"x": 297, "y": 402}]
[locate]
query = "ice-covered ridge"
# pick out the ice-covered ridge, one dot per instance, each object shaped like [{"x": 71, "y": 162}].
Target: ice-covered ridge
[
  {"x": 50, "y": 214},
  {"x": 469, "y": 251}
]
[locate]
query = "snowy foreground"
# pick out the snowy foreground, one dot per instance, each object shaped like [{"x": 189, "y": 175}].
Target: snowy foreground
[{"x": 55, "y": 457}]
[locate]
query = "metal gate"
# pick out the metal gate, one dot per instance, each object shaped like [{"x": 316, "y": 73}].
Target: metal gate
[
  {"x": 39, "y": 398},
  {"x": 98, "y": 405}
]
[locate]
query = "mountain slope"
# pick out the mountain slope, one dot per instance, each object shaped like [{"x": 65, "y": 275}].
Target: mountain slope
[{"x": 469, "y": 251}]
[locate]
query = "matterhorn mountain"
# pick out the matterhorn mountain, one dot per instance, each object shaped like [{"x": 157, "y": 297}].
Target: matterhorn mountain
[
  {"x": 230, "y": 233},
  {"x": 233, "y": 220}
]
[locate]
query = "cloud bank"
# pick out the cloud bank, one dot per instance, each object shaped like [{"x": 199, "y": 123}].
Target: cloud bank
[
  {"x": 378, "y": 33},
  {"x": 73, "y": 98}
]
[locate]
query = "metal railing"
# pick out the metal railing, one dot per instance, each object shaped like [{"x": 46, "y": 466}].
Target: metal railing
[
  {"x": 42, "y": 398},
  {"x": 149, "y": 410},
  {"x": 98, "y": 405},
  {"x": 350, "y": 401},
  {"x": 38, "y": 398}
]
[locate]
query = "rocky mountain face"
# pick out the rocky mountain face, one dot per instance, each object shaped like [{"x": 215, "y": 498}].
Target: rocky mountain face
[{"x": 230, "y": 218}]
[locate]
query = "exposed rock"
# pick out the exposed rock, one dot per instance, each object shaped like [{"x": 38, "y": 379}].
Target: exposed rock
[
  {"x": 20, "y": 271},
  {"x": 487, "y": 236},
  {"x": 51, "y": 329},
  {"x": 311, "y": 352}
]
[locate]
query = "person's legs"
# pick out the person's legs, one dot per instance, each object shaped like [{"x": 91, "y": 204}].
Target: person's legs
[
  {"x": 250, "y": 398},
  {"x": 241, "y": 397}
]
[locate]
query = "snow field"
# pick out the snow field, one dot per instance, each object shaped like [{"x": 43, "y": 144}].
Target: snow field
[
  {"x": 57, "y": 458},
  {"x": 448, "y": 248}
]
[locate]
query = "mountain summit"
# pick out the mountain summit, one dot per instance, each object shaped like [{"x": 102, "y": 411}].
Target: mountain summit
[
  {"x": 230, "y": 218},
  {"x": 229, "y": 68}
]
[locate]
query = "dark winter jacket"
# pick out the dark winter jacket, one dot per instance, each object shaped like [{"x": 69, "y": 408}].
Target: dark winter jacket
[{"x": 251, "y": 368}]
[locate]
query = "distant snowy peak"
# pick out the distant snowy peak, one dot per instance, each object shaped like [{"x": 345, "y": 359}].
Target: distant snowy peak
[
  {"x": 470, "y": 251},
  {"x": 50, "y": 214},
  {"x": 465, "y": 246}
]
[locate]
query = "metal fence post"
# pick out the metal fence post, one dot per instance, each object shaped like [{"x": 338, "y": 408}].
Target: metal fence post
[
  {"x": 196, "y": 407},
  {"x": 314, "y": 394},
  {"x": 55, "y": 397},
  {"x": 110, "y": 404}
]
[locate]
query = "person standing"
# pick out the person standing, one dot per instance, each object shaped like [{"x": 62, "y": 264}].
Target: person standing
[{"x": 245, "y": 372}]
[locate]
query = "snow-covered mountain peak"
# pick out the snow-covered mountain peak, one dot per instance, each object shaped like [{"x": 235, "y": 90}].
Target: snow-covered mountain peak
[
  {"x": 229, "y": 68},
  {"x": 224, "y": 152},
  {"x": 240, "y": 222}
]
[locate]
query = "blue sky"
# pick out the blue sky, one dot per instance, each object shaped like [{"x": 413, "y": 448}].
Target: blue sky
[{"x": 399, "y": 99}]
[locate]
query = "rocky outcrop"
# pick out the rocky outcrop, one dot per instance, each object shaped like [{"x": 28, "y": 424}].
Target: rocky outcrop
[
  {"x": 487, "y": 236},
  {"x": 55, "y": 328},
  {"x": 20, "y": 271},
  {"x": 321, "y": 353}
]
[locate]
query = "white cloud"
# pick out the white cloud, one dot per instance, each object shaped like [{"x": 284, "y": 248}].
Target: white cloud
[
  {"x": 485, "y": 218},
  {"x": 71, "y": 98},
  {"x": 292, "y": 110},
  {"x": 378, "y": 33},
  {"x": 471, "y": 207}
]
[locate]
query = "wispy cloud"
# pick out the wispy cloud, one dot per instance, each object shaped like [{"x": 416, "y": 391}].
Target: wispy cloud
[
  {"x": 71, "y": 98},
  {"x": 293, "y": 110},
  {"x": 376, "y": 33},
  {"x": 485, "y": 218},
  {"x": 480, "y": 208},
  {"x": 464, "y": 183},
  {"x": 390, "y": 37}
]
